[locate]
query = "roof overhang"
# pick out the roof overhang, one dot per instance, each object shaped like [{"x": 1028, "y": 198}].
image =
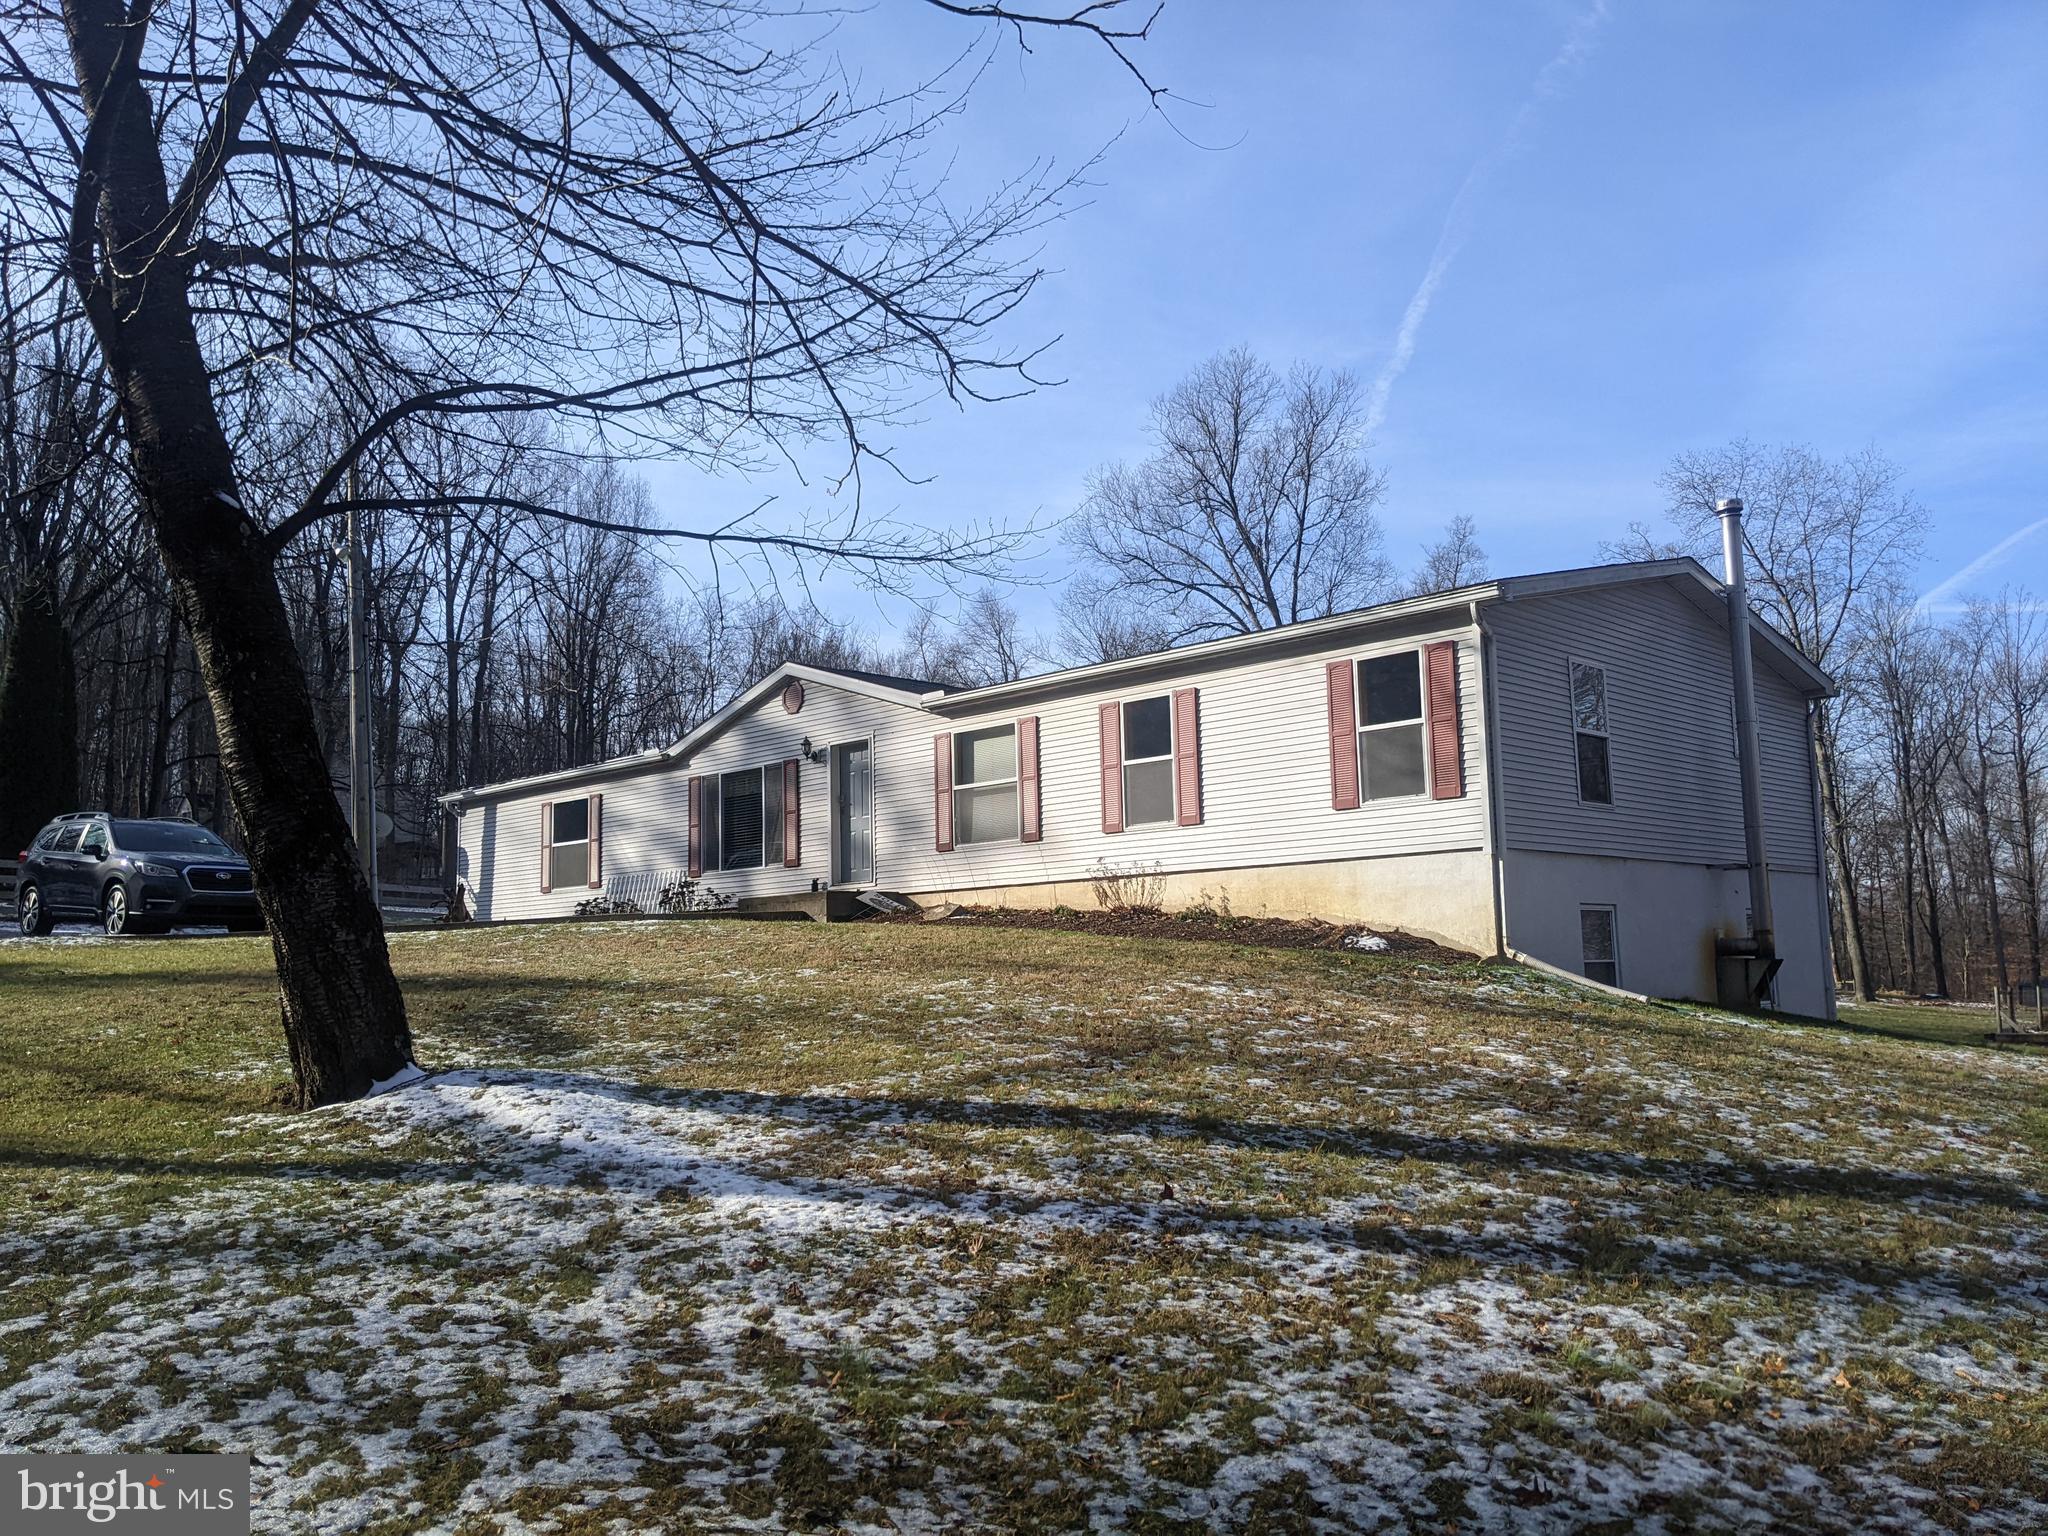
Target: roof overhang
[
  {"x": 657, "y": 757},
  {"x": 1682, "y": 570},
  {"x": 1779, "y": 651},
  {"x": 1228, "y": 647}
]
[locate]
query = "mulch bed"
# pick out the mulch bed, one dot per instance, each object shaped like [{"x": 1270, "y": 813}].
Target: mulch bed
[{"x": 1270, "y": 932}]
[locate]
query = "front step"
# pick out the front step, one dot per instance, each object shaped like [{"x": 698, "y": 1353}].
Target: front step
[{"x": 818, "y": 906}]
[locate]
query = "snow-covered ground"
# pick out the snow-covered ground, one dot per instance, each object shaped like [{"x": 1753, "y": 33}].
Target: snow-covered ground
[{"x": 1311, "y": 1248}]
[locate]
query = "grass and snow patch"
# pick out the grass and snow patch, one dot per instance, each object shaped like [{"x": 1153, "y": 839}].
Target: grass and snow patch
[{"x": 930, "y": 1228}]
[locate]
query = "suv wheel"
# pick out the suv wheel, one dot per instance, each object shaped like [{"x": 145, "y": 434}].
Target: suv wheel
[
  {"x": 29, "y": 911},
  {"x": 114, "y": 911}
]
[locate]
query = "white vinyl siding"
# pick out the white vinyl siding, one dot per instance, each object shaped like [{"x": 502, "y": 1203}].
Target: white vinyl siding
[
  {"x": 1663, "y": 648},
  {"x": 647, "y": 815},
  {"x": 1265, "y": 781}
]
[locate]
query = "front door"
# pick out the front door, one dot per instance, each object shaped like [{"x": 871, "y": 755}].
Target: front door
[{"x": 853, "y": 814}]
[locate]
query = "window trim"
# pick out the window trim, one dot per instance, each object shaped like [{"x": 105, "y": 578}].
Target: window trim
[
  {"x": 1171, "y": 759},
  {"x": 1613, "y": 911},
  {"x": 557, "y": 844},
  {"x": 1014, "y": 781},
  {"x": 1571, "y": 710},
  {"x": 1418, "y": 722},
  {"x": 714, "y": 815}
]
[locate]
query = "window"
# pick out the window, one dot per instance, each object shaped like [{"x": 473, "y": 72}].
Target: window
[
  {"x": 1148, "y": 761},
  {"x": 570, "y": 839},
  {"x": 1597, "y": 953},
  {"x": 94, "y": 844},
  {"x": 67, "y": 840},
  {"x": 745, "y": 830},
  {"x": 1390, "y": 744},
  {"x": 167, "y": 837},
  {"x": 985, "y": 785},
  {"x": 1589, "y": 726}
]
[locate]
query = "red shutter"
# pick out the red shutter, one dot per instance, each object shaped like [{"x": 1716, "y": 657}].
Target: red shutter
[
  {"x": 1187, "y": 756},
  {"x": 942, "y": 790},
  {"x": 1341, "y": 683},
  {"x": 547, "y": 846},
  {"x": 696, "y": 828},
  {"x": 596, "y": 842},
  {"x": 1446, "y": 749},
  {"x": 1112, "y": 735},
  {"x": 792, "y": 814},
  {"x": 1027, "y": 779}
]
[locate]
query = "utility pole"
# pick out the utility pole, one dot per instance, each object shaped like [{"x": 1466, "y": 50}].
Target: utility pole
[{"x": 362, "y": 788}]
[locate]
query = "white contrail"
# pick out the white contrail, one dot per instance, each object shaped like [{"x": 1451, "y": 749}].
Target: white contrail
[
  {"x": 1550, "y": 83},
  {"x": 1939, "y": 597}
]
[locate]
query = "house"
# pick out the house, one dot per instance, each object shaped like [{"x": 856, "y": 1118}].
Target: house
[{"x": 1542, "y": 765}]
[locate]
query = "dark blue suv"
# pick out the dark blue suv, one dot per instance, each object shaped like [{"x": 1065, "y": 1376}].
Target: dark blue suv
[{"x": 132, "y": 876}]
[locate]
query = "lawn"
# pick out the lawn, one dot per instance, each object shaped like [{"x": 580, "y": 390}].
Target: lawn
[
  {"x": 918, "y": 1228},
  {"x": 1946, "y": 1023}
]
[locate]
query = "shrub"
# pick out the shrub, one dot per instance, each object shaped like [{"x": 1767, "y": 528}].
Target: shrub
[
  {"x": 685, "y": 895},
  {"x": 1127, "y": 888},
  {"x": 608, "y": 906}
]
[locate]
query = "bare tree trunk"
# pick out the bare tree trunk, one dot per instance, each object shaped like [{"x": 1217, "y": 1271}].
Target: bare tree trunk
[
  {"x": 1933, "y": 886},
  {"x": 1981, "y": 809},
  {"x": 479, "y": 699},
  {"x": 1841, "y": 869},
  {"x": 343, "y": 1016},
  {"x": 2028, "y": 836},
  {"x": 451, "y": 700},
  {"x": 160, "y": 735}
]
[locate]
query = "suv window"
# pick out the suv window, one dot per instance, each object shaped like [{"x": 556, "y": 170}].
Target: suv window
[
  {"x": 168, "y": 837},
  {"x": 94, "y": 844},
  {"x": 67, "y": 839},
  {"x": 47, "y": 836}
]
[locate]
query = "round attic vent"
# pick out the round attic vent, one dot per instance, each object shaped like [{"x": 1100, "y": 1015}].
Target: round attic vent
[{"x": 792, "y": 696}]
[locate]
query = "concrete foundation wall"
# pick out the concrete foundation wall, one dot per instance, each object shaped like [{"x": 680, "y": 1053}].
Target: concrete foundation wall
[
  {"x": 1667, "y": 917},
  {"x": 1447, "y": 897}
]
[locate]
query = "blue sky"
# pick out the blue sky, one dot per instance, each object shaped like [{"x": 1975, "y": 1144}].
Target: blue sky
[{"x": 1669, "y": 225}]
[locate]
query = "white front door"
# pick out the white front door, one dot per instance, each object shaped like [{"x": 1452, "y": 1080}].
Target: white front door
[{"x": 853, "y": 814}]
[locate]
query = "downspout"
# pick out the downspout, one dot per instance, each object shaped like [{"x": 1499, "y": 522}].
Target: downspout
[
  {"x": 1820, "y": 868},
  {"x": 1496, "y": 815},
  {"x": 1746, "y": 968}
]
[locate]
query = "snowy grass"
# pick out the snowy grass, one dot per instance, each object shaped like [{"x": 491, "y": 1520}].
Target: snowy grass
[{"x": 771, "y": 1227}]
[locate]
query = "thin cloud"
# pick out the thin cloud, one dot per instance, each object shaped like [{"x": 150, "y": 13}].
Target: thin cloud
[
  {"x": 1947, "y": 595},
  {"x": 1551, "y": 82}
]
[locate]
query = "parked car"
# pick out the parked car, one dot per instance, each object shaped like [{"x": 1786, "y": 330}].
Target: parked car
[{"x": 132, "y": 875}]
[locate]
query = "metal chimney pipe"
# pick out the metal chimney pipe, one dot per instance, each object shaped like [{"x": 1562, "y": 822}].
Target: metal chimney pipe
[{"x": 1761, "y": 927}]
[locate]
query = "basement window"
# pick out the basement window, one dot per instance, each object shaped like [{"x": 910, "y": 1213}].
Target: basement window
[
  {"x": 985, "y": 785},
  {"x": 1599, "y": 957},
  {"x": 1148, "y": 761},
  {"x": 569, "y": 843},
  {"x": 1589, "y": 733},
  {"x": 1390, "y": 747}
]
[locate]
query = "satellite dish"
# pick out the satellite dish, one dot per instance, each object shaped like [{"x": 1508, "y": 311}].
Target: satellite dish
[{"x": 385, "y": 825}]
